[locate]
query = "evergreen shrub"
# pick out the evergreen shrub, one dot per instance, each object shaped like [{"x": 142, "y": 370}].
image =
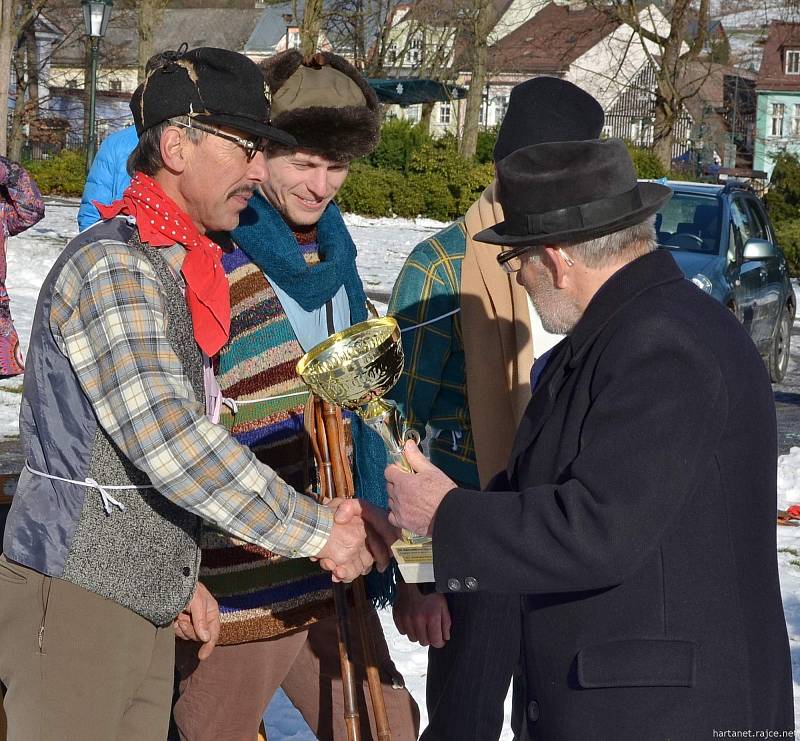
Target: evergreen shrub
[
  {"x": 429, "y": 178},
  {"x": 783, "y": 197},
  {"x": 648, "y": 166},
  {"x": 399, "y": 140},
  {"x": 783, "y": 203},
  {"x": 62, "y": 175},
  {"x": 788, "y": 233}
]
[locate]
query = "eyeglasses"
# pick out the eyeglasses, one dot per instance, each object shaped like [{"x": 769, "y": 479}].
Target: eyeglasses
[
  {"x": 251, "y": 147},
  {"x": 513, "y": 260}
]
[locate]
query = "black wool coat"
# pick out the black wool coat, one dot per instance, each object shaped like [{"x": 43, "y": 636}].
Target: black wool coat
[{"x": 636, "y": 518}]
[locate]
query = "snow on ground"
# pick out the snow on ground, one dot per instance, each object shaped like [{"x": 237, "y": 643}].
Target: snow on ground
[{"x": 383, "y": 245}]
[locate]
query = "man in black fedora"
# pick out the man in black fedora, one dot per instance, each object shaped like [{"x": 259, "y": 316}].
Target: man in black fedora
[
  {"x": 470, "y": 336},
  {"x": 635, "y": 516}
]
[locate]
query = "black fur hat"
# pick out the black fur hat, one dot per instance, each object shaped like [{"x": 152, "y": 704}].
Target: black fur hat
[{"x": 324, "y": 102}]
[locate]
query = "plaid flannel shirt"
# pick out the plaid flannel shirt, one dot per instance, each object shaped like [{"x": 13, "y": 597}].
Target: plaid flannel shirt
[
  {"x": 433, "y": 387},
  {"x": 108, "y": 316}
]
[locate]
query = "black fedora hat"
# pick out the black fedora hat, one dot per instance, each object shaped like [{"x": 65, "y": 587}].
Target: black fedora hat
[
  {"x": 547, "y": 109},
  {"x": 214, "y": 86},
  {"x": 568, "y": 192}
]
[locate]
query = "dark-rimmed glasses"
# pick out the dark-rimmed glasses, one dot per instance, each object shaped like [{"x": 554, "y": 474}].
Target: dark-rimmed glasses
[
  {"x": 251, "y": 147},
  {"x": 512, "y": 260}
]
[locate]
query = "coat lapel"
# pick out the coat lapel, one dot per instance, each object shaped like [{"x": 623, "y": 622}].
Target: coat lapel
[{"x": 651, "y": 270}]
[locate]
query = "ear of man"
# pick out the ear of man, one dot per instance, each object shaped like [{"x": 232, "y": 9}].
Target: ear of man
[
  {"x": 557, "y": 267},
  {"x": 174, "y": 149}
]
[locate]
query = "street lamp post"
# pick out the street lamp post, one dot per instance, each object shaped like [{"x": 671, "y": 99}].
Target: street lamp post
[{"x": 95, "y": 15}]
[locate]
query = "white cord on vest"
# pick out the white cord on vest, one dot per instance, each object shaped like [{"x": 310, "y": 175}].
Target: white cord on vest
[
  {"x": 430, "y": 321},
  {"x": 108, "y": 500},
  {"x": 234, "y": 405}
]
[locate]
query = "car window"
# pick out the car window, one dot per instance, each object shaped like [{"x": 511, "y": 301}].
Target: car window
[
  {"x": 742, "y": 225},
  {"x": 759, "y": 223},
  {"x": 691, "y": 222}
]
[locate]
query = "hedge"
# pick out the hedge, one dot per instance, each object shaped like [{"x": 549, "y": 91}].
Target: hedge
[
  {"x": 62, "y": 175},
  {"x": 409, "y": 174},
  {"x": 783, "y": 204}
]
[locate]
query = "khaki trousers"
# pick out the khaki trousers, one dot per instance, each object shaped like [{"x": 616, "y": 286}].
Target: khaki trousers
[
  {"x": 78, "y": 667},
  {"x": 224, "y": 697}
]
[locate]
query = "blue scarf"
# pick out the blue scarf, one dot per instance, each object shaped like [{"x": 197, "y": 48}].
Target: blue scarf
[{"x": 267, "y": 240}]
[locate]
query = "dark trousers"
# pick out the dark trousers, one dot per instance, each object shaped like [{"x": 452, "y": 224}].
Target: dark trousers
[{"x": 468, "y": 678}]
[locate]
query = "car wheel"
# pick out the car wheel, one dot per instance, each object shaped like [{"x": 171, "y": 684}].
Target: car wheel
[{"x": 778, "y": 360}]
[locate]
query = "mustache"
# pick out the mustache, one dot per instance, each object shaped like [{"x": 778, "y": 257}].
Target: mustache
[{"x": 242, "y": 190}]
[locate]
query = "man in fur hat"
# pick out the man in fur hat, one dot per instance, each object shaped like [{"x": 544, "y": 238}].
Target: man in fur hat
[
  {"x": 124, "y": 462},
  {"x": 635, "y": 516},
  {"x": 292, "y": 274},
  {"x": 470, "y": 338}
]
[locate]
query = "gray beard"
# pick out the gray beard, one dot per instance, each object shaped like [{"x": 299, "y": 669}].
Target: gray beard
[{"x": 558, "y": 315}]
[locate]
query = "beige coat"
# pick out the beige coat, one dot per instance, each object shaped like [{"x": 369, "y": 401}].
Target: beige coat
[{"x": 498, "y": 348}]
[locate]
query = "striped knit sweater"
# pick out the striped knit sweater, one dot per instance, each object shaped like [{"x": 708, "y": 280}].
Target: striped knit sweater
[{"x": 262, "y": 595}]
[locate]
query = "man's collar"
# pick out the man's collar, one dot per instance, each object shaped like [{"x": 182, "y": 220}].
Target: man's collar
[{"x": 650, "y": 270}]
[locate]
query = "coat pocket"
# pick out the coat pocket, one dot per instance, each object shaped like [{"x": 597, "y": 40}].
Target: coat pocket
[{"x": 637, "y": 663}]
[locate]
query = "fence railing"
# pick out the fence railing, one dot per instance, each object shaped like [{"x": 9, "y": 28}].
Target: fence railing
[{"x": 38, "y": 150}]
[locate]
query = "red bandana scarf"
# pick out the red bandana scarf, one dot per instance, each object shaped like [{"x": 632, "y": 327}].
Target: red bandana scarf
[{"x": 161, "y": 223}]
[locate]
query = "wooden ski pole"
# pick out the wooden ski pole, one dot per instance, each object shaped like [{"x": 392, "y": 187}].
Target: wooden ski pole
[
  {"x": 343, "y": 484},
  {"x": 327, "y": 484}
]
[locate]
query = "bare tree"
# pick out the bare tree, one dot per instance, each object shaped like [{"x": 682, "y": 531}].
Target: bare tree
[
  {"x": 15, "y": 19},
  {"x": 670, "y": 62},
  {"x": 478, "y": 21},
  {"x": 310, "y": 25},
  {"x": 149, "y": 16}
]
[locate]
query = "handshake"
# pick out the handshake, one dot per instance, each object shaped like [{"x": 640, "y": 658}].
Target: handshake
[{"x": 363, "y": 534}]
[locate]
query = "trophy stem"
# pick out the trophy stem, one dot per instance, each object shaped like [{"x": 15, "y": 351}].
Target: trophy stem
[{"x": 384, "y": 417}]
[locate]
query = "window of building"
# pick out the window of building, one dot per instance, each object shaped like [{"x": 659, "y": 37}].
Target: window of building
[
  {"x": 114, "y": 85},
  {"x": 391, "y": 53},
  {"x": 500, "y": 107},
  {"x": 796, "y": 120},
  {"x": 793, "y": 62},
  {"x": 444, "y": 113},
  {"x": 414, "y": 113},
  {"x": 415, "y": 52},
  {"x": 778, "y": 110}
]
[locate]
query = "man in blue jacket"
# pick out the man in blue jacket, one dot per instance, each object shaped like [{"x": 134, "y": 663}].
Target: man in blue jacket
[{"x": 108, "y": 176}]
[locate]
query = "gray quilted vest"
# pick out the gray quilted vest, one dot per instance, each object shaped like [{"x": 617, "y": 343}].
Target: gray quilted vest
[{"x": 146, "y": 557}]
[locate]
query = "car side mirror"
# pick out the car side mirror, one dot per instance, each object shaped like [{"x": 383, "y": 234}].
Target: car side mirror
[{"x": 758, "y": 249}]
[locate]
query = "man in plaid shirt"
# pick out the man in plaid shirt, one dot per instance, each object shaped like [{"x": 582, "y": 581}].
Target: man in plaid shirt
[{"x": 123, "y": 463}]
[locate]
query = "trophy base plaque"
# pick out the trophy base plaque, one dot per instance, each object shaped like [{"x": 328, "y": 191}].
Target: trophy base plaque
[{"x": 414, "y": 559}]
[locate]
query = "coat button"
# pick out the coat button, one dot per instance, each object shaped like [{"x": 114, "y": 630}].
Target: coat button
[
  {"x": 471, "y": 583},
  {"x": 533, "y": 710},
  {"x": 454, "y": 585},
  {"x": 186, "y": 571}
]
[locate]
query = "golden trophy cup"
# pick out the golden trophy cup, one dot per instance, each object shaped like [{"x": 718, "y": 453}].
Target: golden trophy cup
[{"x": 354, "y": 369}]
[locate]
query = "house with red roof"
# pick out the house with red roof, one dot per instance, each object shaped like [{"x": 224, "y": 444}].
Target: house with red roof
[{"x": 778, "y": 91}]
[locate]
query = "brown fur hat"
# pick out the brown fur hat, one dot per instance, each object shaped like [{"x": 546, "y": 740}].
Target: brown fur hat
[{"x": 324, "y": 102}]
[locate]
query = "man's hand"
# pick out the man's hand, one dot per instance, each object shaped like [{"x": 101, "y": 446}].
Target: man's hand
[
  {"x": 346, "y": 554},
  {"x": 415, "y": 497},
  {"x": 199, "y": 621},
  {"x": 380, "y": 534},
  {"x": 424, "y": 618}
]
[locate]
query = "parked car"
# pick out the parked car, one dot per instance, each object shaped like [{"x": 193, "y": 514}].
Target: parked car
[{"x": 722, "y": 239}]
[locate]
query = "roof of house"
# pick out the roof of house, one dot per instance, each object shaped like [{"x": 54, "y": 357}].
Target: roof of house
[
  {"x": 425, "y": 11},
  {"x": 550, "y": 41},
  {"x": 708, "y": 104},
  {"x": 271, "y": 26},
  {"x": 274, "y": 20},
  {"x": 226, "y": 28},
  {"x": 772, "y": 75}
]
